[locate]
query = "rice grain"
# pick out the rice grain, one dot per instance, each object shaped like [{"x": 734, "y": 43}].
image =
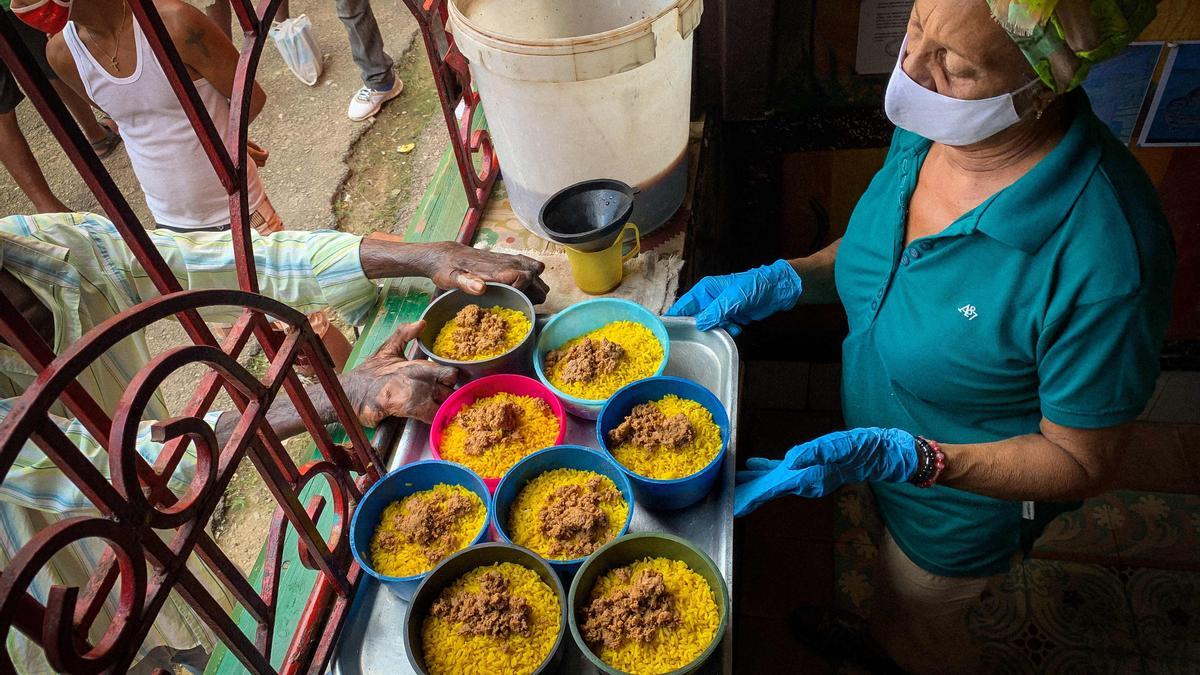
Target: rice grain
[{"x": 447, "y": 652}]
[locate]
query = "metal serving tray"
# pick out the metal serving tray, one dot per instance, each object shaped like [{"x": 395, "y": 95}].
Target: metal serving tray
[{"x": 372, "y": 640}]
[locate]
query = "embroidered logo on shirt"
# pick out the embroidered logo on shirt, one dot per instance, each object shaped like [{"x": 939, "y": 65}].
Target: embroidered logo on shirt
[{"x": 968, "y": 311}]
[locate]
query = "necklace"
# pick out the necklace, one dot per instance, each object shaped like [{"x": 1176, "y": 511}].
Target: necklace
[{"x": 112, "y": 58}]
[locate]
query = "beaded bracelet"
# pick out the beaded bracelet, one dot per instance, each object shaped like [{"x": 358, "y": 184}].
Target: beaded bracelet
[{"x": 931, "y": 461}]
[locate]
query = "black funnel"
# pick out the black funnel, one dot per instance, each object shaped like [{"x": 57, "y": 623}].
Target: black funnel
[{"x": 587, "y": 216}]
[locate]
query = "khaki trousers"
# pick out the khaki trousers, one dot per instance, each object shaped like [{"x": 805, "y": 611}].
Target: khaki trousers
[{"x": 920, "y": 618}]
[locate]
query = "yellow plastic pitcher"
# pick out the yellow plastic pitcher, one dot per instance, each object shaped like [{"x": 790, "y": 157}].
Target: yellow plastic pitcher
[{"x": 600, "y": 272}]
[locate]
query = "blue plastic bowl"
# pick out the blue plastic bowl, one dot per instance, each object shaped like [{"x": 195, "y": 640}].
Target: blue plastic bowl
[
  {"x": 397, "y": 485},
  {"x": 558, "y": 457},
  {"x": 678, "y": 492},
  {"x": 585, "y": 317}
]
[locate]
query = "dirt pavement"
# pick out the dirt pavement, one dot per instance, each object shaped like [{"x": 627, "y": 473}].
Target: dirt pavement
[
  {"x": 305, "y": 128},
  {"x": 325, "y": 171}
]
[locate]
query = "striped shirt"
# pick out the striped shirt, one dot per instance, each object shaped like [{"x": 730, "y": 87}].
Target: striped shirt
[{"x": 78, "y": 266}]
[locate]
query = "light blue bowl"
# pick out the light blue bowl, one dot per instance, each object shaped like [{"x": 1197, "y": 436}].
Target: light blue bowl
[
  {"x": 585, "y": 317},
  {"x": 678, "y": 492},
  {"x": 397, "y": 485},
  {"x": 558, "y": 457}
]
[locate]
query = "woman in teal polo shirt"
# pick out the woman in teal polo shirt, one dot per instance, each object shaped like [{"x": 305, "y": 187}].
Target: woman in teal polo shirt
[{"x": 1006, "y": 278}]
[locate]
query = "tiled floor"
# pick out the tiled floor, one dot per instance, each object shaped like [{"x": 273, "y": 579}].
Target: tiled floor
[
  {"x": 1141, "y": 529},
  {"x": 1113, "y": 587}
]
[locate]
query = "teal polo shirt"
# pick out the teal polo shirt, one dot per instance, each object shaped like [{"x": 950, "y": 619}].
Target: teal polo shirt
[{"x": 1049, "y": 299}]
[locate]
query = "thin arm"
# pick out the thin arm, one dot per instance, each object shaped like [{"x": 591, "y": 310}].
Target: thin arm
[{"x": 816, "y": 275}]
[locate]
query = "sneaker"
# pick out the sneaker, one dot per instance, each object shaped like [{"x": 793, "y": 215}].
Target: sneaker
[{"x": 368, "y": 101}]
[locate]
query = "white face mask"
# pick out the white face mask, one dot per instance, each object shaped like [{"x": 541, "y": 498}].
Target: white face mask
[{"x": 946, "y": 120}]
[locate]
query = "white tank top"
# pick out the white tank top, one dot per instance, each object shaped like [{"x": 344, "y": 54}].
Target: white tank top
[{"x": 180, "y": 184}]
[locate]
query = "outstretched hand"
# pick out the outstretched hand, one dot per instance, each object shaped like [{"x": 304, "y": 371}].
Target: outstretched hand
[
  {"x": 731, "y": 301},
  {"x": 463, "y": 267},
  {"x": 451, "y": 265},
  {"x": 822, "y": 465},
  {"x": 387, "y": 384}
]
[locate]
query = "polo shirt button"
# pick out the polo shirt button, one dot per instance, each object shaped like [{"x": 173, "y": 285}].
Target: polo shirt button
[
  {"x": 879, "y": 295},
  {"x": 914, "y": 252},
  {"x": 904, "y": 259},
  {"x": 925, "y": 245},
  {"x": 874, "y": 305}
]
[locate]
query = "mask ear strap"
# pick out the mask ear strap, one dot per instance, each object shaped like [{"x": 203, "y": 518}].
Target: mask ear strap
[
  {"x": 1025, "y": 93},
  {"x": 1028, "y": 85}
]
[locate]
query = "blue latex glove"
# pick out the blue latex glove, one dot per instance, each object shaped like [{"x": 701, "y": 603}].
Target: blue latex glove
[
  {"x": 822, "y": 465},
  {"x": 731, "y": 301}
]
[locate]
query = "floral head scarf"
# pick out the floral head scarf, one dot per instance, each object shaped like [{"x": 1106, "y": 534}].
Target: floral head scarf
[{"x": 1063, "y": 38}]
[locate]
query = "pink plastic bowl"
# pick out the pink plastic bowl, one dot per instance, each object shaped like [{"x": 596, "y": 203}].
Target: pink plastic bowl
[{"x": 489, "y": 386}]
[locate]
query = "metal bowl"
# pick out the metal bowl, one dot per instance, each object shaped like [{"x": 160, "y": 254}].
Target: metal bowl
[
  {"x": 453, "y": 567},
  {"x": 445, "y": 306},
  {"x": 632, "y": 548}
]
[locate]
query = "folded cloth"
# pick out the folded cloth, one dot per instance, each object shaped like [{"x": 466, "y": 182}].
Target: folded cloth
[
  {"x": 1062, "y": 39},
  {"x": 651, "y": 280}
]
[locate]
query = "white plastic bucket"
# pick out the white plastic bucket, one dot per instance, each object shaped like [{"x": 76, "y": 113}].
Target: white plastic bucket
[{"x": 583, "y": 89}]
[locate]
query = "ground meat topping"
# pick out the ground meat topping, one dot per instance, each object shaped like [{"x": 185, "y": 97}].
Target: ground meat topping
[
  {"x": 427, "y": 522},
  {"x": 489, "y": 423},
  {"x": 573, "y": 519},
  {"x": 635, "y": 612},
  {"x": 478, "y": 331},
  {"x": 493, "y": 611},
  {"x": 648, "y": 427},
  {"x": 586, "y": 359}
]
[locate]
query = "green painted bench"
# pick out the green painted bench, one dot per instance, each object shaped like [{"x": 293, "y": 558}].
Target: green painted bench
[{"x": 437, "y": 219}]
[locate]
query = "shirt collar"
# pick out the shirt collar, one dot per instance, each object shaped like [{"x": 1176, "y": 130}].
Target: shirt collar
[
  {"x": 43, "y": 267},
  {"x": 1025, "y": 214}
]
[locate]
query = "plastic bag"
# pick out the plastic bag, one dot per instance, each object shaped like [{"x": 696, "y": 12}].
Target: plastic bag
[{"x": 297, "y": 44}]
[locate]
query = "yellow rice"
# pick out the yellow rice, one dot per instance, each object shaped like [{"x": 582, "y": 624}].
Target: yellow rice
[
  {"x": 674, "y": 647},
  {"x": 670, "y": 463},
  {"x": 406, "y": 558},
  {"x": 538, "y": 429},
  {"x": 524, "y": 523},
  {"x": 643, "y": 355},
  {"x": 446, "y": 346},
  {"x": 448, "y": 652}
]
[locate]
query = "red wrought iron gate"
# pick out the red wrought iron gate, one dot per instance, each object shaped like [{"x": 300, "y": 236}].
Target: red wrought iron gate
[{"x": 136, "y": 507}]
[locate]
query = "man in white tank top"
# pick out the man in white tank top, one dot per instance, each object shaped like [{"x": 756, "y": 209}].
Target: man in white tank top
[
  {"x": 103, "y": 55},
  {"x": 15, "y": 155}
]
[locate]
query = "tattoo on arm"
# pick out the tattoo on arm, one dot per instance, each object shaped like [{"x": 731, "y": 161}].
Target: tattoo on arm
[{"x": 195, "y": 38}]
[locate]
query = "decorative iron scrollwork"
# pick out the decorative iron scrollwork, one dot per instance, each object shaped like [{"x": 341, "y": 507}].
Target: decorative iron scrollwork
[
  {"x": 59, "y": 631},
  {"x": 137, "y": 509},
  {"x": 472, "y": 147}
]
